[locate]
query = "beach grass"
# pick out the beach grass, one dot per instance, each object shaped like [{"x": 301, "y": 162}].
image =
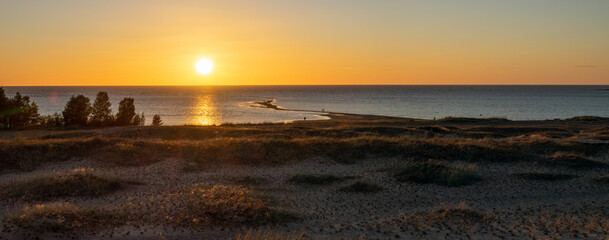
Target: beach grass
[
  {"x": 228, "y": 205},
  {"x": 62, "y": 217},
  {"x": 268, "y": 235},
  {"x": 315, "y": 179},
  {"x": 436, "y": 172},
  {"x": 545, "y": 176},
  {"x": 78, "y": 183}
]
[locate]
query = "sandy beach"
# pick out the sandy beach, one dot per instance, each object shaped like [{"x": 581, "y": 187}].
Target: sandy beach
[{"x": 334, "y": 179}]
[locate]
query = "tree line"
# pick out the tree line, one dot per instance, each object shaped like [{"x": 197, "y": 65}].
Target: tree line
[{"x": 18, "y": 111}]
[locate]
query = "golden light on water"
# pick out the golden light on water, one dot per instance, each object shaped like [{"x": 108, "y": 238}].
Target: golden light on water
[{"x": 204, "y": 111}]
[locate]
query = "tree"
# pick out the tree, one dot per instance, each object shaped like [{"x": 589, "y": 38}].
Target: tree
[
  {"x": 126, "y": 112},
  {"x": 139, "y": 120},
  {"x": 3, "y": 108},
  {"x": 101, "y": 114},
  {"x": 156, "y": 120},
  {"x": 77, "y": 111},
  {"x": 17, "y": 111}
]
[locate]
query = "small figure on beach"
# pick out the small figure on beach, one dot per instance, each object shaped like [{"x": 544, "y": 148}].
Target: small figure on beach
[{"x": 305, "y": 118}]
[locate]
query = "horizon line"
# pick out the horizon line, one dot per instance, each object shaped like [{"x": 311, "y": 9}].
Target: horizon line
[{"x": 236, "y": 85}]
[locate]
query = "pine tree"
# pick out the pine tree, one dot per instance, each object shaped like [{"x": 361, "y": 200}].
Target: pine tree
[
  {"x": 156, "y": 120},
  {"x": 126, "y": 112},
  {"x": 77, "y": 111},
  {"x": 102, "y": 114}
]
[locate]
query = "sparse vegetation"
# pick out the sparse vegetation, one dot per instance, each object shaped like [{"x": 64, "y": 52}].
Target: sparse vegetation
[
  {"x": 228, "y": 205},
  {"x": 438, "y": 173},
  {"x": 602, "y": 179},
  {"x": 65, "y": 217},
  {"x": 78, "y": 183},
  {"x": 460, "y": 217},
  {"x": 545, "y": 176},
  {"x": 250, "y": 180},
  {"x": 314, "y": 179},
  {"x": 362, "y": 187},
  {"x": 268, "y": 235},
  {"x": 575, "y": 160}
]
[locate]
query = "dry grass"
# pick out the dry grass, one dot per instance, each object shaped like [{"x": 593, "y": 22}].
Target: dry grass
[
  {"x": 432, "y": 171},
  {"x": 250, "y": 180},
  {"x": 226, "y": 205},
  {"x": 268, "y": 235},
  {"x": 78, "y": 183},
  {"x": 315, "y": 179},
  {"x": 545, "y": 176},
  {"x": 65, "y": 217},
  {"x": 563, "y": 226},
  {"x": 460, "y": 217},
  {"x": 341, "y": 141},
  {"x": 575, "y": 160}
]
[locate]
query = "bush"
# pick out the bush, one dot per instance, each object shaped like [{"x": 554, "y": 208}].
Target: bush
[
  {"x": 51, "y": 121},
  {"x": 77, "y": 111},
  {"x": 126, "y": 112},
  {"x": 435, "y": 172},
  {"x": 102, "y": 114}
]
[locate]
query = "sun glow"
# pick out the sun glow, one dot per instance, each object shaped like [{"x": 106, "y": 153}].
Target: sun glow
[{"x": 204, "y": 66}]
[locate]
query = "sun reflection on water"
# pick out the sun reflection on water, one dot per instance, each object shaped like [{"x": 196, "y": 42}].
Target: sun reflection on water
[{"x": 204, "y": 112}]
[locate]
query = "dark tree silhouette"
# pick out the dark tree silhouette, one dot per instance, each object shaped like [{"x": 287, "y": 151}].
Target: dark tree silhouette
[
  {"x": 17, "y": 111},
  {"x": 156, "y": 120},
  {"x": 139, "y": 120},
  {"x": 126, "y": 112},
  {"x": 102, "y": 114},
  {"x": 77, "y": 111}
]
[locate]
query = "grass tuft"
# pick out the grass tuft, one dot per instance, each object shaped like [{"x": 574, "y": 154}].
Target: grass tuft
[
  {"x": 226, "y": 205},
  {"x": 66, "y": 217},
  {"x": 314, "y": 179},
  {"x": 435, "y": 172},
  {"x": 545, "y": 176},
  {"x": 78, "y": 183},
  {"x": 362, "y": 187},
  {"x": 268, "y": 235},
  {"x": 250, "y": 180},
  {"x": 575, "y": 160}
]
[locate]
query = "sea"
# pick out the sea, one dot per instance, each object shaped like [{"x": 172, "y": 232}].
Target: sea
[{"x": 208, "y": 105}]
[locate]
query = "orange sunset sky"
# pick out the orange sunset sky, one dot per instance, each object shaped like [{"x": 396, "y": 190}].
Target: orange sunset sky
[{"x": 285, "y": 42}]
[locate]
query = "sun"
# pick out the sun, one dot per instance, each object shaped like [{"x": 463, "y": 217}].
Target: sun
[{"x": 204, "y": 66}]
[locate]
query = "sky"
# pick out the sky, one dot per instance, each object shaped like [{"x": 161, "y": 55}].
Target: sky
[{"x": 289, "y": 42}]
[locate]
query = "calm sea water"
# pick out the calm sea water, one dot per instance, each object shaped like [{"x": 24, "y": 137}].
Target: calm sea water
[{"x": 220, "y": 104}]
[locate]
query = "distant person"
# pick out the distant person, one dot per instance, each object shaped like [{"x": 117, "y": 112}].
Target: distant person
[{"x": 305, "y": 118}]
